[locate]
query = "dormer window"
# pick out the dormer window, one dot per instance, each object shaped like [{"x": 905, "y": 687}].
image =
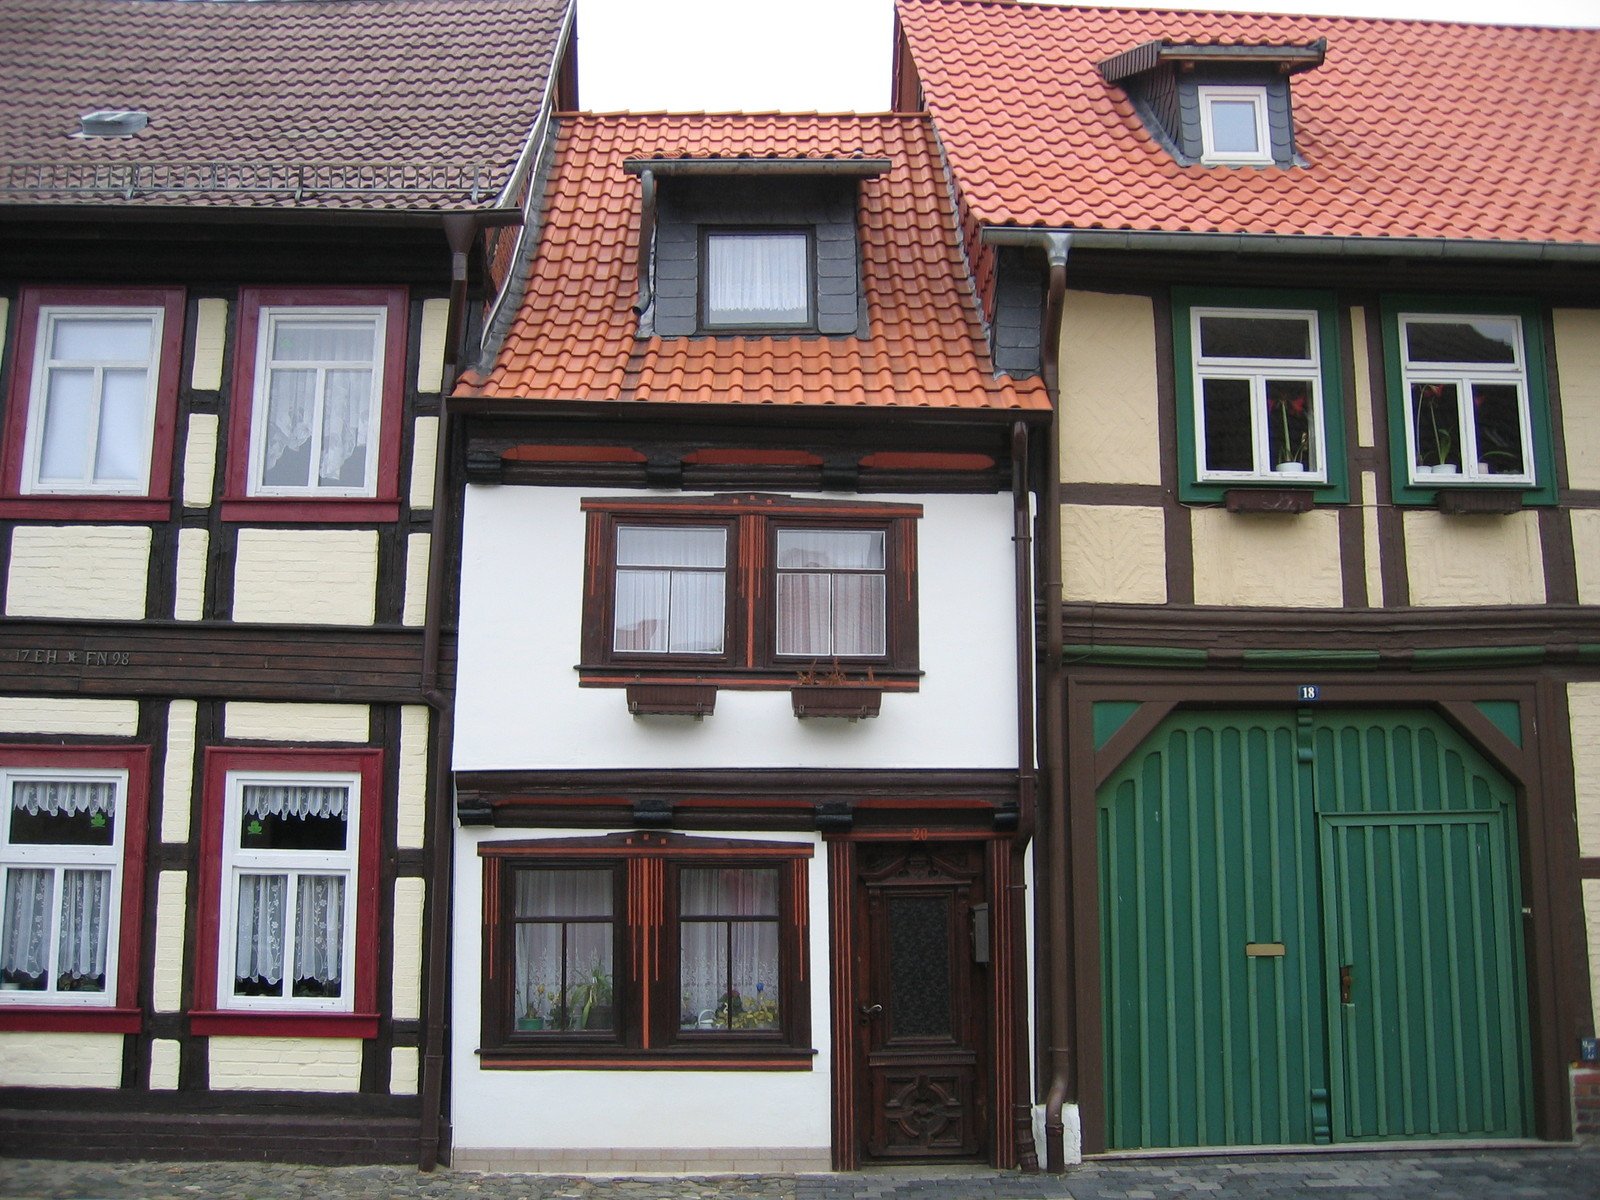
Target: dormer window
[
  {"x": 757, "y": 279},
  {"x": 1233, "y": 126}
]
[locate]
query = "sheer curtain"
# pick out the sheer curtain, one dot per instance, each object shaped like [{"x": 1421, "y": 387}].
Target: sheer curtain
[
  {"x": 310, "y": 384},
  {"x": 64, "y": 797},
  {"x": 24, "y": 942},
  {"x": 832, "y": 592},
  {"x": 671, "y": 589},
  {"x": 295, "y": 800},
  {"x": 318, "y": 929},
  {"x": 757, "y": 278},
  {"x": 728, "y": 967},
  {"x": 563, "y": 938}
]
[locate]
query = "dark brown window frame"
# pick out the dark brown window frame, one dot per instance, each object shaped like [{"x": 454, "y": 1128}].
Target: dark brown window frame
[
  {"x": 703, "y": 290},
  {"x": 749, "y": 658},
  {"x": 646, "y": 992}
]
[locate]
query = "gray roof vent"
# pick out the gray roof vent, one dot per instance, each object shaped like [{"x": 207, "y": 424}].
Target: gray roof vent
[{"x": 112, "y": 122}]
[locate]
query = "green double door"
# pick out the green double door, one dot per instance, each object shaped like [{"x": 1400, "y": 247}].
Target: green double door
[{"x": 1309, "y": 933}]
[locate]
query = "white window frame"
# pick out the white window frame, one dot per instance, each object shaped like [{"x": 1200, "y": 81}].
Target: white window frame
[
  {"x": 1462, "y": 376},
  {"x": 832, "y": 573},
  {"x": 237, "y": 861},
  {"x": 51, "y": 316},
  {"x": 376, "y": 316},
  {"x": 1257, "y": 97},
  {"x": 1256, "y": 371},
  {"x": 710, "y": 317},
  {"x": 63, "y": 858}
]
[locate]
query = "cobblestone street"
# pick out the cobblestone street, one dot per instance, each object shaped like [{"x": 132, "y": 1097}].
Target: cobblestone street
[{"x": 1544, "y": 1174}]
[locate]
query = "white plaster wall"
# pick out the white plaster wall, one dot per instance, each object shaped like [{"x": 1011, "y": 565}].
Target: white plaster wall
[
  {"x": 406, "y": 999},
  {"x": 210, "y": 335},
  {"x": 84, "y": 571},
  {"x": 519, "y": 703},
  {"x": 251, "y": 720},
  {"x": 88, "y": 1060},
  {"x": 163, "y": 1065},
  {"x": 200, "y": 460},
  {"x": 285, "y": 1064},
  {"x": 51, "y": 714},
  {"x": 412, "y": 790},
  {"x": 189, "y": 600},
  {"x": 618, "y": 1110},
  {"x": 306, "y": 576},
  {"x": 166, "y": 993},
  {"x": 177, "y": 773}
]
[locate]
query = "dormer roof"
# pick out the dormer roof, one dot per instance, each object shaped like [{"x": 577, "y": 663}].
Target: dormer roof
[
  {"x": 577, "y": 334},
  {"x": 1407, "y": 129}
]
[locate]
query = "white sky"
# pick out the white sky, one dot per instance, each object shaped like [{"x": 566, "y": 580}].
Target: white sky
[{"x": 834, "y": 55}]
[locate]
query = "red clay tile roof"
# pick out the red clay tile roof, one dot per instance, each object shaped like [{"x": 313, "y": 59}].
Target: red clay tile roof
[
  {"x": 574, "y": 338},
  {"x": 437, "y": 94},
  {"x": 1411, "y": 129}
]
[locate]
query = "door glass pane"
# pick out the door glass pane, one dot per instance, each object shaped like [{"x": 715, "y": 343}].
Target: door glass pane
[
  {"x": 1498, "y": 414},
  {"x": 119, "y": 453},
  {"x": 757, "y": 279},
  {"x": 1480, "y": 340},
  {"x": 68, "y": 418},
  {"x": 1233, "y": 127},
  {"x": 1226, "y": 425},
  {"x": 919, "y": 966},
  {"x": 1436, "y": 425},
  {"x": 1277, "y": 338}
]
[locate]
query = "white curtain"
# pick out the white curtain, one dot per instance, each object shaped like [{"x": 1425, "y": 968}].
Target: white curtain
[
  {"x": 81, "y": 944},
  {"x": 554, "y": 952},
  {"x": 24, "y": 950},
  {"x": 346, "y": 423},
  {"x": 258, "y": 948},
  {"x": 294, "y": 800},
  {"x": 319, "y": 932},
  {"x": 63, "y": 797},
  {"x": 291, "y": 412},
  {"x": 757, "y": 278},
  {"x": 303, "y": 352},
  {"x": 728, "y": 967},
  {"x": 827, "y": 612},
  {"x": 671, "y": 590}
]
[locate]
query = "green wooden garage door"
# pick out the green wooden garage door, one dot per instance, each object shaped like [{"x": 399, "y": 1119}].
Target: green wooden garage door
[{"x": 1308, "y": 934}]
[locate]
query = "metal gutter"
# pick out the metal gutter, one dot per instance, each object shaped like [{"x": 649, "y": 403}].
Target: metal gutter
[
  {"x": 1439, "y": 249},
  {"x": 1027, "y": 783},
  {"x": 855, "y": 168}
]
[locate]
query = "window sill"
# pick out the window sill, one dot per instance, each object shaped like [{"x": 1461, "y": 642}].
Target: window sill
[
  {"x": 773, "y": 1059},
  {"x": 70, "y": 1020},
  {"x": 1269, "y": 500},
  {"x": 293, "y": 510},
  {"x": 86, "y": 508},
  {"x": 283, "y": 1024},
  {"x": 850, "y": 701},
  {"x": 728, "y": 678}
]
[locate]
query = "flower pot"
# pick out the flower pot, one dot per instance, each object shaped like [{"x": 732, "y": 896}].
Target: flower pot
[
  {"x": 1291, "y": 468},
  {"x": 529, "y": 1024}
]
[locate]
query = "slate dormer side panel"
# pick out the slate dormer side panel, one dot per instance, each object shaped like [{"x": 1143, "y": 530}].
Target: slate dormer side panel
[
  {"x": 1280, "y": 118},
  {"x": 686, "y": 206},
  {"x": 1018, "y": 313},
  {"x": 1155, "y": 98}
]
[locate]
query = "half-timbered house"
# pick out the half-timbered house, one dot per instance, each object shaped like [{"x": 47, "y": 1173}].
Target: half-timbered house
[
  {"x": 238, "y": 245},
  {"x": 1323, "y": 697}
]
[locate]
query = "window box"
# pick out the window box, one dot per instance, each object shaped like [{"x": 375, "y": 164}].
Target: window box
[
  {"x": 748, "y": 590},
  {"x": 1268, "y": 500},
  {"x": 1468, "y": 401},
  {"x": 319, "y": 386},
  {"x": 93, "y": 404},
  {"x": 645, "y": 950},
  {"x": 850, "y": 701},
  {"x": 672, "y": 699},
  {"x": 288, "y": 893},
  {"x": 72, "y": 838},
  {"x": 1477, "y": 501},
  {"x": 1260, "y": 402}
]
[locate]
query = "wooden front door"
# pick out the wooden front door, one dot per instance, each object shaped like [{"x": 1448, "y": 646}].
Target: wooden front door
[{"x": 920, "y": 1014}]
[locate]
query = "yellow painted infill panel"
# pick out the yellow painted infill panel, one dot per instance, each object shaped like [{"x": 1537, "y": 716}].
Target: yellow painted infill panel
[
  {"x": 62, "y": 1060},
  {"x": 1110, "y": 412},
  {"x": 1586, "y": 552},
  {"x": 177, "y": 773},
  {"x": 258, "y": 721},
  {"x": 1591, "y": 908},
  {"x": 1462, "y": 560},
  {"x": 95, "y": 572},
  {"x": 1371, "y": 543},
  {"x": 200, "y": 461},
  {"x": 414, "y": 610},
  {"x": 283, "y": 1064},
  {"x": 1287, "y": 560},
  {"x": 1583, "y": 716},
  {"x": 1577, "y": 338},
  {"x": 163, "y": 1065},
  {"x": 403, "y": 1064},
  {"x": 430, "y": 346},
  {"x": 406, "y": 1002},
  {"x": 411, "y": 803},
  {"x": 51, "y": 714},
  {"x": 424, "y": 455},
  {"x": 210, "y": 337},
  {"x": 166, "y": 995},
  {"x": 1359, "y": 368},
  {"x": 189, "y": 597},
  {"x": 306, "y": 576},
  {"x": 1113, "y": 554}
]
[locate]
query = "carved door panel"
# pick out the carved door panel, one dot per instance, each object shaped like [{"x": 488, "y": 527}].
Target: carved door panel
[{"x": 920, "y": 1007}]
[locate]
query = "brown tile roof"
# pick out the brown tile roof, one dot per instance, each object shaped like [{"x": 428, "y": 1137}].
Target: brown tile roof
[
  {"x": 574, "y": 338},
  {"x": 1411, "y": 129},
  {"x": 330, "y": 96}
]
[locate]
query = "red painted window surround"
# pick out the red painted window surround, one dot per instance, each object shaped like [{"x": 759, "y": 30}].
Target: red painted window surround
[
  {"x": 205, "y": 1018},
  {"x": 156, "y": 503},
  {"x": 123, "y": 1015},
  {"x": 384, "y": 505}
]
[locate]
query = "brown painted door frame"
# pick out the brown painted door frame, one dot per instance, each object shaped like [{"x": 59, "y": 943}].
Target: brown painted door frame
[
  {"x": 921, "y": 1073},
  {"x": 1540, "y": 768}
]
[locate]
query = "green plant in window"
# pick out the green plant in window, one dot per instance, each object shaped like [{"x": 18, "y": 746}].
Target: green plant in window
[
  {"x": 1430, "y": 397},
  {"x": 590, "y": 998}
]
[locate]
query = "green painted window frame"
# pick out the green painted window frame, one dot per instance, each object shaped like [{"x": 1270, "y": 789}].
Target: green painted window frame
[
  {"x": 1531, "y": 318},
  {"x": 1336, "y": 489}
]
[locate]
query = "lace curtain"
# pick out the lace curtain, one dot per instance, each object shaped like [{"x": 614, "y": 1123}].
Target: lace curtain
[
  {"x": 294, "y": 800},
  {"x": 81, "y": 938},
  {"x": 63, "y": 797},
  {"x": 754, "y": 278},
  {"x": 317, "y": 930},
  {"x": 728, "y": 968},
  {"x": 670, "y": 589},
  {"x": 556, "y": 952},
  {"x": 825, "y": 612},
  {"x": 293, "y": 410}
]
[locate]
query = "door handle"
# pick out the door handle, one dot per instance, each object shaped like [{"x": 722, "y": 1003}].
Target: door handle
[
  {"x": 868, "y": 1011},
  {"x": 1346, "y": 982}
]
